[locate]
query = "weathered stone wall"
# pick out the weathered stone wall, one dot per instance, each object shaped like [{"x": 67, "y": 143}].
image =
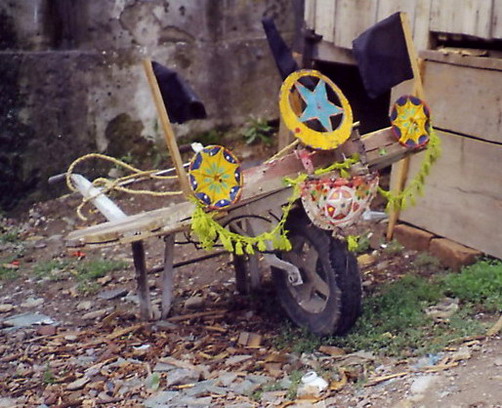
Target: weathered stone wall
[{"x": 71, "y": 80}]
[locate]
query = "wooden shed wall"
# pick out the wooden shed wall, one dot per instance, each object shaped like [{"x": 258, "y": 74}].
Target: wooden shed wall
[{"x": 340, "y": 21}]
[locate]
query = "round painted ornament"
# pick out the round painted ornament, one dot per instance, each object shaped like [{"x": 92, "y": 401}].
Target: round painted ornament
[
  {"x": 215, "y": 177},
  {"x": 338, "y": 202},
  {"x": 315, "y": 110},
  {"x": 410, "y": 120}
]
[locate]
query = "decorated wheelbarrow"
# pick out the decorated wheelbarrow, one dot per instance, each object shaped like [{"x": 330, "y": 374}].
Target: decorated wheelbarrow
[{"x": 289, "y": 212}]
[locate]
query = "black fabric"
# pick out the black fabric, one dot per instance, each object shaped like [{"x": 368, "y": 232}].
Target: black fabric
[
  {"x": 281, "y": 52},
  {"x": 181, "y": 102},
  {"x": 382, "y": 56}
]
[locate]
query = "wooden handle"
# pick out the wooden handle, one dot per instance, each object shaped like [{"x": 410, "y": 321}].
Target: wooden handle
[{"x": 172, "y": 145}]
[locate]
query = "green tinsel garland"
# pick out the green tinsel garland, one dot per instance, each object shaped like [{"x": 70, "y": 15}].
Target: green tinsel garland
[{"x": 401, "y": 200}]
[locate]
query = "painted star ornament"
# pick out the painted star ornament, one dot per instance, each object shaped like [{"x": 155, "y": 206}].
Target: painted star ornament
[{"x": 315, "y": 110}]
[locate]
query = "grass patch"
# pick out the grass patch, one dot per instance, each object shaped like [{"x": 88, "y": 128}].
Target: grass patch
[
  {"x": 394, "y": 322},
  {"x": 89, "y": 271},
  {"x": 54, "y": 270},
  {"x": 479, "y": 284}
]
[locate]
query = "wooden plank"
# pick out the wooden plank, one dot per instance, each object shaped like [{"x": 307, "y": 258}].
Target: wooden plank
[
  {"x": 472, "y": 17},
  {"x": 465, "y": 99},
  {"x": 497, "y": 20},
  {"x": 309, "y": 13},
  {"x": 418, "y": 12},
  {"x": 352, "y": 17},
  {"x": 463, "y": 194},
  {"x": 421, "y": 24},
  {"x": 325, "y": 19}
]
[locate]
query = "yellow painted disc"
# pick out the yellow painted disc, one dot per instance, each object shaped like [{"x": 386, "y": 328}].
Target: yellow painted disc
[
  {"x": 315, "y": 110},
  {"x": 215, "y": 177}
]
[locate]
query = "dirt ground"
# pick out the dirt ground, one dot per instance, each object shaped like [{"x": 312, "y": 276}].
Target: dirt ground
[{"x": 42, "y": 364}]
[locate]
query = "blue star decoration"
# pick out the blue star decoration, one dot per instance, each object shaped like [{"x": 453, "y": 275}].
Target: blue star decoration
[{"x": 318, "y": 106}]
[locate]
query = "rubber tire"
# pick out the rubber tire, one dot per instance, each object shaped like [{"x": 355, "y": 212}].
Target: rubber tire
[{"x": 339, "y": 266}]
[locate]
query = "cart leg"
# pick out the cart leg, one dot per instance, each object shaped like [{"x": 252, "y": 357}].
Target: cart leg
[
  {"x": 145, "y": 307},
  {"x": 167, "y": 276},
  {"x": 247, "y": 267}
]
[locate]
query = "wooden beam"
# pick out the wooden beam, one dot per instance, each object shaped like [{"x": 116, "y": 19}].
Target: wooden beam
[{"x": 167, "y": 128}]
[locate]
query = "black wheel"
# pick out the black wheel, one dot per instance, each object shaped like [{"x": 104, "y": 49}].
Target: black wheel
[{"x": 329, "y": 299}]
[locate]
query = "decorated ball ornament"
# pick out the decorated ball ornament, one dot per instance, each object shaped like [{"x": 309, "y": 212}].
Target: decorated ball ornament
[
  {"x": 215, "y": 177},
  {"x": 315, "y": 110},
  {"x": 410, "y": 120},
  {"x": 334, "y": 203}
]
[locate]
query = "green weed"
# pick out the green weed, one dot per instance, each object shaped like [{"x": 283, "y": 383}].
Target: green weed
[
  {"x": 426, "y": 261},
  {"x": 295, "y": 377},
  {"x": 258, "y": 130},
  {"x": 48, "y": 376}
]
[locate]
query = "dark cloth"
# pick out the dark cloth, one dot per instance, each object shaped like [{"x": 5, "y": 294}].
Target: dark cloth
[
  {"x": 280, "y": 51},
  {"x": 382, "y": 56},
  {"x": 181, "y": 102}
]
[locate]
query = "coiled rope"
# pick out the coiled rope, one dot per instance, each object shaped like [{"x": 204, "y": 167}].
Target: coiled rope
[{"x": 106, "y": 185}]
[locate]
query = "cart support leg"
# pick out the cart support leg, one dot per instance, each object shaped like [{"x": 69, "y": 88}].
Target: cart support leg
[
  {"x": 145, "y": 307},
  {"x": 167, "y": 276}
]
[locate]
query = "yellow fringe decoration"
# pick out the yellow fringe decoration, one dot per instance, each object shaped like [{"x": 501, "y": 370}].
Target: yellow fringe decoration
[
  {"x": 401, "y": 200},
  {"x": 107, "y": 185},
  {"x": 352, "y": 242}
]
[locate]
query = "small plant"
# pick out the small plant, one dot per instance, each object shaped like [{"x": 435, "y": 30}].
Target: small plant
[
  {"x": 48, "y": 376},
  {"x": 393, "y": 248},
  {"x": 363, "y": 244},
  {"x": 258, "y": 130}
]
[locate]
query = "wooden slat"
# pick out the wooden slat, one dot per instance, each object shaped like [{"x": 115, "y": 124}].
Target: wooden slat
[
  {"x": 325, "y": 19},
  {"x": 497, "y": 20},
  {"x": 463, "y": 197},
  {"x": 466, "y": 99},
  {"x": 352, "y": 17},
  {"x": 473, "y": 17},
  {"x": 310, "y": 10},
  {"x": 421, "y": 25}
]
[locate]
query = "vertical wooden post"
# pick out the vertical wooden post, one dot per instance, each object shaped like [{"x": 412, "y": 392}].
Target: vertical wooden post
[
  {"x": 138, "y": 254},
  {"x": 167, "y": 275},
  {"x": 403, "y": 166},
  {"x": 167, "y": 128}
]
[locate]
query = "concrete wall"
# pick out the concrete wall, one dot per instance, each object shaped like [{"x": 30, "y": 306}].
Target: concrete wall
[{"x": 71, "y": 80}]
